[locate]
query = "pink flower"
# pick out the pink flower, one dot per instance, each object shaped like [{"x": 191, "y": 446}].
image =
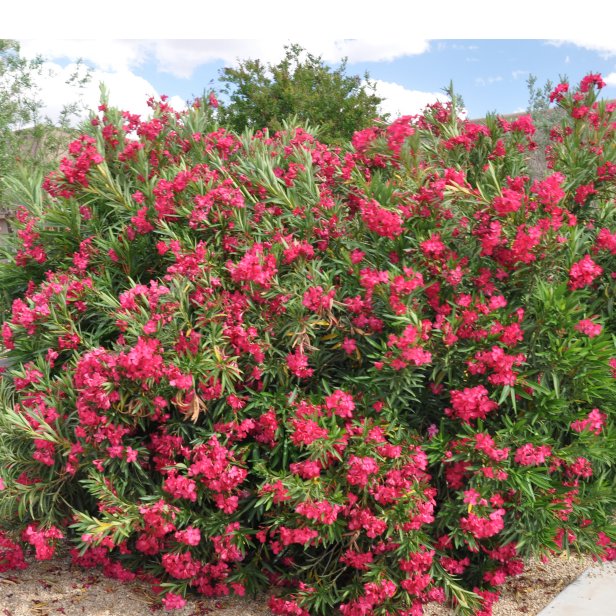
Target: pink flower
[
  {"x": 285, "y": 607},
  {"x": 348, "y": 345},
  {"x": 549, "y": 190},
  {"x": 188, "y": 536},
  {"x": 357, "y": 560},
  {"x": 453, "y": 566},
  {"x": 364, "y": 519},
  {"x": 360, "y": 469},
  {"x": 307, "y": 431},
  {"x": 298, "y": 364},
  {"x": 606, "y": 241},
  {"x": 583, "y": 272},
  {"x": 180, "y": 566},
  {"x": 383, "y": 222},
  {"x": 583, "y": 192},
  {"x": 11, "y": 554},
  {"x": 529, "y": 455},
  {"x": 470, "y": 403},
  {"x": 180, "y": 486},
  {"x": 433, "y": 247},
  {"x": 297, "y": 535},
  {"x": 316, "y": 299},
  {"x": 588, "y": 327},
  {"x": 181, "y": 381},
  {"x": 278, "y": 490},
  {"x": 594, "y": 422},
  {"x": 7, "y": 336},
  {"x": 224, "y": 546},
  {"x": 308, "y": 469},
  {"x": 524, "y": 124},
  {"x": 341, "y": 404},
  {"x": 319, "y": 511},
  {"x": 255, "y": 266},
  {"x": 43, "y": 540},
  {"x": 499, "y": 362},
  {"x": 592, "y": 79},
  {"x": 432, "y": 430},
  {"x": 558, "y": 93},
  {"x": 357, "y": 256},
  {"x": 580, "y": 468},
  {"x": 298, "y": 249},
  {"x": 397, "y": 132},
  {"x": 481, "y": 528},
  {"x": 510, "y": 201},
  {"x": 171, "y": 601}
]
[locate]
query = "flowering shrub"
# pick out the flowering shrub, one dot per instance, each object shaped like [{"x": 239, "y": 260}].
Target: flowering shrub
[{"x": 366, "y": 379}]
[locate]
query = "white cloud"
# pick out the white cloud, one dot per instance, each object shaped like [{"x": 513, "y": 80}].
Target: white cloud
[
  {"x": 610, "y": 79},
  {"x": 605, "y": 45},
  {"x": 178, "y": 103},
  {"x": 486, "y": 81},
  {"x": 117, "y": 63},
  {"x": 519, "y": 73},
  {"x": 369, "y": 50},
  {"x": 181, "y": 57},
  {"x": 107, "y": 55},
  {"x": 449, "y": 46},
  {"x": 400, "y": 101},
  {"x": 126, "y": 91}
]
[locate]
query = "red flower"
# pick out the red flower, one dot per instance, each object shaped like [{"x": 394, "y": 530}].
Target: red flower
[
  {"x": 171, "y": 601},
  {"x": 531, "y": 455},
  {"x": 583, "y": 272},
  {"x": 594, "y": 422},
  {"x": 470, "y": 403},
  {"x": 588, "y": 327},
  {"x": 383, "y": 222},
  {"x": 298, "y": 364}
]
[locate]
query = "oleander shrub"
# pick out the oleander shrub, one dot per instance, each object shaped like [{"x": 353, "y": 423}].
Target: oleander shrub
[{"x": 362, "y": 379}]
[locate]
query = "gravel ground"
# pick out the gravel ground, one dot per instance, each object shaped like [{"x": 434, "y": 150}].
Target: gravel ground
[{"x": 55, "y": 587}]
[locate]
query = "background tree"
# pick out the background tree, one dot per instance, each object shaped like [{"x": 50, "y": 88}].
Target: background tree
[
  {"x": 544, "y": 118},
  {"x": 31, "y": 143},
  {"x": 302, "y": 86},
  {"x": 18, "y": 104}
]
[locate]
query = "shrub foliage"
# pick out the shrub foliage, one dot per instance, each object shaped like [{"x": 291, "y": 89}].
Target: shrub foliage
[{"x": 366, "y": 378}]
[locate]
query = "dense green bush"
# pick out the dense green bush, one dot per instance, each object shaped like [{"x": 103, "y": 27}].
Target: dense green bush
[
  {"x": 300, "y": 88},
  {"x": 367, "y": 379}
]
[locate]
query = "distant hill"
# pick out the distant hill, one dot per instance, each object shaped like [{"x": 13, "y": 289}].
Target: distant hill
[{"x": 43, "y": 144}]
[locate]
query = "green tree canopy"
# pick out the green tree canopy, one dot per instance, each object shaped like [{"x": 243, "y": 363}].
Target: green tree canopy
[
  {"x": 545, "y": 117},
  {"x": 302, "y": 86},
  {"x": 18, "y": 104},
  {"x": 30, "y": 142}
]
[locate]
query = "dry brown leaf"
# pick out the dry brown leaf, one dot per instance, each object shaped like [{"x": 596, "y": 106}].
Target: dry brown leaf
[
  {"x": 39, "y": 608},
  {"x": 143, "y": 595},
  {"x": 191, "y": 409}
]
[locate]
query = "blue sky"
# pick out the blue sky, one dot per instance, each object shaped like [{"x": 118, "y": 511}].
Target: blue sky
[
  {"x": 490, "y": 75},
  {"x": 410, "y": 50}
]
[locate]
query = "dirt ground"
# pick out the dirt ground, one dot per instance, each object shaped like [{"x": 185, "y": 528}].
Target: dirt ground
[{"x": 56, "y": 587}]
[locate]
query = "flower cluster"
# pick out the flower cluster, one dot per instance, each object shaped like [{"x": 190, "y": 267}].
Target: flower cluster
[{"x": 344, "y": 373}]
